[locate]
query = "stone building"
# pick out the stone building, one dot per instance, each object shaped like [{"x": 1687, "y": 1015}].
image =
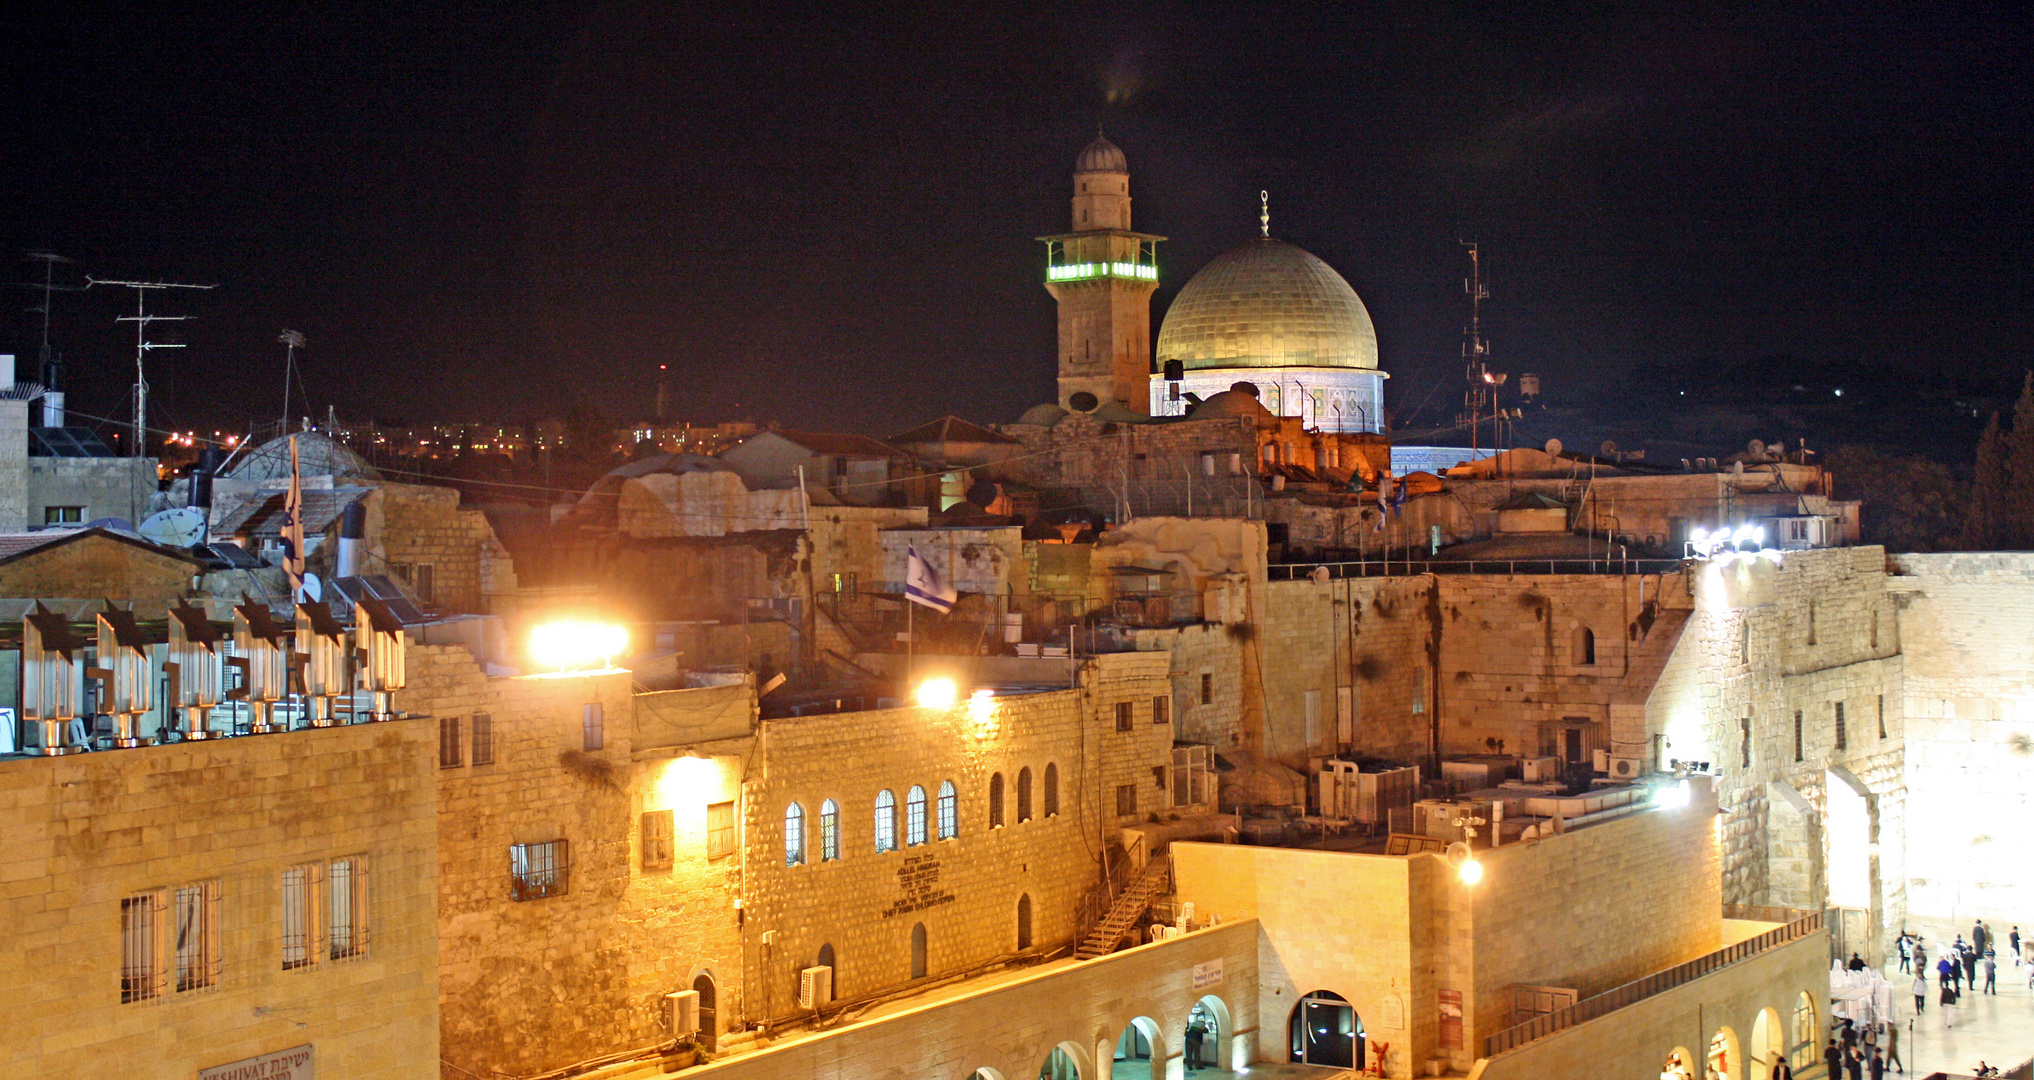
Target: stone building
[{"x": 208, "y": 905}]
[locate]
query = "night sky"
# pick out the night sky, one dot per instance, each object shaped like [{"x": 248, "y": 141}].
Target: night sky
[{"x": 825, "y": 216}]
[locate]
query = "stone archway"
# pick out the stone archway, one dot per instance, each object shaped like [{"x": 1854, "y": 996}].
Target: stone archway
[
  {"x": 1724, "y": 1057},
  {"x": 1216, "y": 1030},
  {"x": 1139, "y": 1053},
  {"x": 1324, "y": 1029},
  {"x": 1768, "y": 1045}
]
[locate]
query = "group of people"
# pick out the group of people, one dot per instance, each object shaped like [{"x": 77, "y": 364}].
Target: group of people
[
  {"x": 1959, "y": 970},
  {"x": 1857, "y": 1051}
]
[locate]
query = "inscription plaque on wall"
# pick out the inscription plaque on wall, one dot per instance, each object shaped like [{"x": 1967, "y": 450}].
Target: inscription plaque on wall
[
  {"x": 291, "y": 1064},
  {"x": 1451, "y": 1019},
  {"x": 1392, "y": 1016},
  {"x": 919, "y": 880},
  {"x": 1208, "y": 974}
]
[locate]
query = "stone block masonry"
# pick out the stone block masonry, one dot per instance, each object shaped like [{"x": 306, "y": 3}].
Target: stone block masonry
[{"x": 85, "y": 834}]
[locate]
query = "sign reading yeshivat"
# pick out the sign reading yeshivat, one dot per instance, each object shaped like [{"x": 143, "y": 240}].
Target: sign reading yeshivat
[
  {"x": 1208, "y": 974},
  {"x": 291, "y": 1064}
]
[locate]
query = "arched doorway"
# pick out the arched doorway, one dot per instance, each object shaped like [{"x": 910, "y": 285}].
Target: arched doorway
[
  {"x": 1680, "y": 1065},
  {"x": 918, "y": 950},
  {"x": 1206, "y": 1039},
  {"x": 1724, "y": 1058},
  {"x": 1139, "y": 1054},
  {"x": 1324, "y": 1030},
  {"x": 1023, "y": 922},
  {"x": 709, "y": 1019},
  {"x": 985, "y": 1073},
  {"x": 1062, "y": 1064},
  {"x": 827, "y": 961},
  {"x": 1768, "y": 1045},
  {"x": 1804, "y": 1043}
]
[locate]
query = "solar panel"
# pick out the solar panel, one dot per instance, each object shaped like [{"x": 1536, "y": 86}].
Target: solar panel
[
  {"x": 70, "y": 442},
  {"x": 379, "y": 587},
  {"x": 230, "y": 555}
]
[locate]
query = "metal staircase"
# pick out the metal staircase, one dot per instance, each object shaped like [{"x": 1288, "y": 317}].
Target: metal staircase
[{"x": 1128, "y": 909}]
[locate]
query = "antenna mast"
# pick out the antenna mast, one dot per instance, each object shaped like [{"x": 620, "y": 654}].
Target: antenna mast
[
  {"x": 292, "y": 340},
  {"x": 46, "y": 370},
  {"x": 141, "y": 318},
  {"x": 1480, "y": 399}
]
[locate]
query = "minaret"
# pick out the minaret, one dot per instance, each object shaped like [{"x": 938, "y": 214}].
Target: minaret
[{"x": 1103, "y": 276}]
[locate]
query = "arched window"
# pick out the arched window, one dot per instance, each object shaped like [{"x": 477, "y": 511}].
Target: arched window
[
  {"x": 886, "y": 821},
  {"x": 949, "y": 811},
  {"x": 1024, "y": 922},
  {"x": 914, "y": 816},
  {"x": 1051, "y": 789},
  {"x": 1024, "y": 794},
  {"x": 996, "y": 801},
  {"x": 1585, "y": 646},
  {"x": 829, "y": 831},
  {"x": 826, "y": 960},
  {"x": 918, "y": 951},
  {"x": 794, "y": 835}
]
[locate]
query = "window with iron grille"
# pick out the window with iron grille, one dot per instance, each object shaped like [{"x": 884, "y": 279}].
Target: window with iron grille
[
  {"x": 1125, "y": 715},
  {"x": 1882, "y": 716},
  {"x": 197, "y": 935},
  {"x": 886, "y": 821},
  {"x": 720, "y": 830},
  {"x": 592, "y": 726},
  {"x": 300, "y": 887},
  {"x": 1024, "y": 794},
  {"x": 141, "y": 969},
  {"x": 794, "y": 835},
  {"x": 829, "y": 831},
  {"x": 914, "y": 816},
  {"x": 949, "y": 811},
  {"x": 657, "y": 840},
  {"x": 1126, "y": 800},
  {"x": 1207, "y": 689},
  {"x": 996, "y": 801},
  {"x": 483, "y": 739},
  {"x": 1051, "y": 789},
  {"x": 1798, "y": 746},
  {"x": 1842, "y": 742},
  {"x": 346, "y": 905},
  {"x": 1161, "y": 710},
  {"x": 449, "y": 756},
  {"x": 540, "y": 870}
]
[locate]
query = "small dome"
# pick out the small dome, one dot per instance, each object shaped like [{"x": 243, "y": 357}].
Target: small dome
[
  {"x": 1044, "y": 415},
  {"x": 317, "y": 455},
  {"x": 1267, "y": 304},
  {"x": 1230, "y": 403},
  {"x": 1102, "y": 156}
]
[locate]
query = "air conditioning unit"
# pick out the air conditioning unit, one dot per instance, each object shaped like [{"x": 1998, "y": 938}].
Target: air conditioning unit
[
  {"x": 1541, "y": 770},
  {"x": 1626, "y": 768},
  {"x": 681, "y": 1012},
  {"x": 815, "y": 987}
]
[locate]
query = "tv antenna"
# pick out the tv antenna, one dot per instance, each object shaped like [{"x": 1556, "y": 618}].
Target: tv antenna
[
  {"x": 291, "y": 340},
  {"x": 1480, "y": 399},
  {"x": 141, "y": 318},
  {"x": 46, "y": 371}
]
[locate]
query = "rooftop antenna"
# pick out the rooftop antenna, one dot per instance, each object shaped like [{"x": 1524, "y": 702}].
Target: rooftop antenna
[
  {"x": 1264, "y": 213},
  {"x": 141, "y": 318},
  {"x": 1481, "y": 396},
  {"x": 292, "y": 340},
  {"x": 46, "y": 371}
]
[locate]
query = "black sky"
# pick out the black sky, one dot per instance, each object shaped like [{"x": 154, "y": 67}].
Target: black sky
[{"x": 824, "y": 215}]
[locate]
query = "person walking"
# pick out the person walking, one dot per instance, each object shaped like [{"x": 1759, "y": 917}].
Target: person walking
[
  {"x": 1920, "y": 993},
  {"x": 1782, "y": 1070},
  {"x": 1195, "y": 1034},
  {"x": 1991, "y": 967},
  {"x": 1906, "y": 946},
  {"x": 1948, "y": 1005},
  {"x": 1979, "y": 935},
  {"x": 1832, "y": 1059},
  {"x": 1970, "y": 959},
  {"x": 1946, "y": 969},
  {"x": 1893, "y": 1047},
  {"x": 2014, "y": 940}
]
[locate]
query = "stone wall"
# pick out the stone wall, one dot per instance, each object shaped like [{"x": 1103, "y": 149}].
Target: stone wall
[
  {"x": 100, "y": 566},
  {"x": 1367, "y": 640},
  {"x": 120, "y": 487},
  {"x": 423, "y": 525},
  {"x": 964, "y": 890},
  {"x": 85, "y": 832}
]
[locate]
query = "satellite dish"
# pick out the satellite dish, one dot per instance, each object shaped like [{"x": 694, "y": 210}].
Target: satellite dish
[
  {"x": 314, "y": 590},
  {"x": 1609, "y": 448},
  {"x": 1757, "y": 448},
  {"x": 178, "y": 527},
  {"x": 1554, "y": 448}
]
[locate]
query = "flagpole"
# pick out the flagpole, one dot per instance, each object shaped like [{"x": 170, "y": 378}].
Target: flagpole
[{"x": 910, "y": 639}]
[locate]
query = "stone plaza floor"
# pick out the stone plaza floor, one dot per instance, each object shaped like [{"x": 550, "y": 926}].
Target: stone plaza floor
[{"x": 1995, "y": 1028}]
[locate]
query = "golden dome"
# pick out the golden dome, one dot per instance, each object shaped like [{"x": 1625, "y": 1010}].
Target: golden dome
[{"x": 1267, "y": 304}]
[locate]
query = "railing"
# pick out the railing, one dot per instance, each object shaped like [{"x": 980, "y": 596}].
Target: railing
[
  {"x": 1638, "y": 990},
  {"x": 1405, "y": 567},
  {"x": 1756, "y": 913}
]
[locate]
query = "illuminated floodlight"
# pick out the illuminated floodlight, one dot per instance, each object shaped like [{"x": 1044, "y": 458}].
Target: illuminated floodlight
[
  {"x": 939, "y": 693},
  {"x": 1471, "y": 871},
  {"x": 1672, "y": 796},
  {"x": 571, "y": 644}
]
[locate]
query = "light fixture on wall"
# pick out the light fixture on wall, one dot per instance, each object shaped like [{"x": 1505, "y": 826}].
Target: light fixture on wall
[{"x": 937, "y": 693}]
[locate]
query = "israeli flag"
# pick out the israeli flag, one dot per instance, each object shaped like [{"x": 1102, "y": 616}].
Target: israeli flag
[{"x": 922, "y": 584}]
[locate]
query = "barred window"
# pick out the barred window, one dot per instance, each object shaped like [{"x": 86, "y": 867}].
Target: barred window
[
  {"x": 720, "y": 830},
  {"x": 197, "y": 943},
  {"x": 794, "y": 835},
  {"x": 1024, "y": 793},
  {"x": 540, "y": 870},
  {"x": 829, "y": 831},
  {"x": 1126, "y": 799},
  {"x": 914, "y": 816},
  {"x": 886, "y": 821},
  {"x": 346, "y": 889},
  {"x": 657, "y": 840},
  {"x": 483, "y": 739},
  {"x": 1842, "y": 742},
  {"x": 300, "y": 915},
  {"x": 141, "y": 974},
  {"x": 592, "y": 726},
  {"x": 996, "y": 801},
  {"x": 949, "y": 811},
  {"x": 449, "y": 756},
  {"x": 1798, "y": 745},
  {"x": 1207, "y": 689},
  {"x": 1051, "y": 789}
]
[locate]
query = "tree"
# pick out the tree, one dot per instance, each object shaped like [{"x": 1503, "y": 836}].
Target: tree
[
  {"x": 2019, "y": 461},
  {"x": 1985, "y": 526}
]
